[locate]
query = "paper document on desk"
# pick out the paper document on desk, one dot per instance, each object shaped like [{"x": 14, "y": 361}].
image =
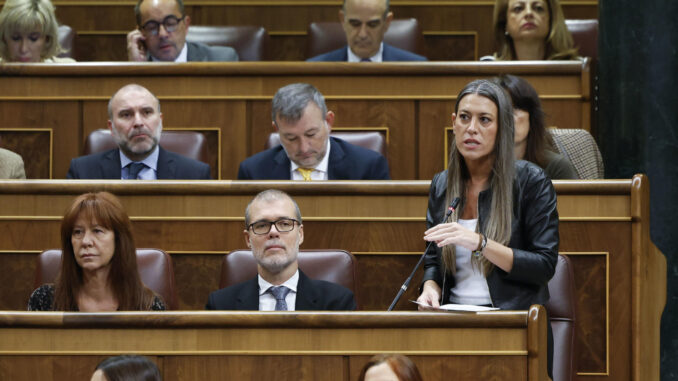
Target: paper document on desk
[{"x": 458, "y": 307}]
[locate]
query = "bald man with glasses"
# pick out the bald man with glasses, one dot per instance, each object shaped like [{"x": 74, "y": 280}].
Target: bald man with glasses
[
  {"x": 161, "y": 32},
  {"x": 274, "y": 231}
]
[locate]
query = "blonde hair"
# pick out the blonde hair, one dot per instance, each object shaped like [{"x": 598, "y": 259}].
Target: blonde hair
[
  {"x": 498, "y": 224},
  {"x": 558, "y": 44},
  {"x": 25, "y": 16}
]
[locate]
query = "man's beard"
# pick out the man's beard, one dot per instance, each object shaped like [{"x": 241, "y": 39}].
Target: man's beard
[
  {"x": 279, "y": 262},
  {"x": 124, "y": 142}
]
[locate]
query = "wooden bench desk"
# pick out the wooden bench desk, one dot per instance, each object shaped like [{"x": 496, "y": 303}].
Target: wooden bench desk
[
  {"x": 326, "y": 346},
  {"x": 620, "y": 276}
]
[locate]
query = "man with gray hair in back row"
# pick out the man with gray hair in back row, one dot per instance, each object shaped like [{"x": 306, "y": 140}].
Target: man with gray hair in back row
[{"x": 307, "y": 152}]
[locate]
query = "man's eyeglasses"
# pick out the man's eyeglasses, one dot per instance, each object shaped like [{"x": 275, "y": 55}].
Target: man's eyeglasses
[
  {"x": 171, "y": 23},
  {"x": 282, "y": 225}
]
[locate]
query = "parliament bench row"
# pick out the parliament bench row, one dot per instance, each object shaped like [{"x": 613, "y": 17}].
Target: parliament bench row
[
  {"x": 452, "y": 30},
  {"x": 49, "y": 110},
  {"x": 578, "y": 146},
  {"x": 252, "y": 42},
  {"x": 603, "y": 229},
  {"x": 156, "y": 271}
]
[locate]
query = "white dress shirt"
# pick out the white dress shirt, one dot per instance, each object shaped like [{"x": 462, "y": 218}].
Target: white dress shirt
[
  {"x": 375, "y": 58},
  {"x": 267, "y": 300},
  {"x": 320, "y": 170}
]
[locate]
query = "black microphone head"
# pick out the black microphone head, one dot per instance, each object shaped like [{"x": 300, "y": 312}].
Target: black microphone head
[{"x": 453, "y": 206}]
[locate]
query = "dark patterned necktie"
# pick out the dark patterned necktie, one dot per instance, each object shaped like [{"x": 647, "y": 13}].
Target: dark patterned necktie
[
  {"x": 279, "y": 293},
  {"x": 134, "y": 169}
]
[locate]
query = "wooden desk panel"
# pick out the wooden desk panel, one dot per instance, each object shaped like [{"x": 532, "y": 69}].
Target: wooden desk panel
[
  {"x": 302, "y": 345},
  {"x": 62, "y": 104}
]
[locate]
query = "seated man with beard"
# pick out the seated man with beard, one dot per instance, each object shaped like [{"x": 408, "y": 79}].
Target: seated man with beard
[
  {"x": 274, "y": 231},
  {"x": 135, "y": 121}
]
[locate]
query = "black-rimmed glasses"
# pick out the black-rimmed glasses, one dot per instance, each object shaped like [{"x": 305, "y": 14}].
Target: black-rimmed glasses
[
  {"x": 171, "y": 23},
  {"x": 282, "y": 225}
]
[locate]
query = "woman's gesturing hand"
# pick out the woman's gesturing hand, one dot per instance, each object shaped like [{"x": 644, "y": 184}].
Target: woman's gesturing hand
[{"x": 452, "y": 233}]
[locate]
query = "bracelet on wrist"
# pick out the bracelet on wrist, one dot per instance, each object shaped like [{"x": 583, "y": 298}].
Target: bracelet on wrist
[{"x": 481, "y": 246}]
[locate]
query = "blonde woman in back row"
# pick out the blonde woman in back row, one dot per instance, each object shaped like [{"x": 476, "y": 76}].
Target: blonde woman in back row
[{"x": 28, "y": 32}]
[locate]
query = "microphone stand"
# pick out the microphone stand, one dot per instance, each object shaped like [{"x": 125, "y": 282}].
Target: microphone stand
[{"x": 403, "y": 288}]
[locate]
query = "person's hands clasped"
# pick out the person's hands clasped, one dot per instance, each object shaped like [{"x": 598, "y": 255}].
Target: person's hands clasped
[
  {"x": 136, "y": 48},
  {"x": 452, "y": 233}
]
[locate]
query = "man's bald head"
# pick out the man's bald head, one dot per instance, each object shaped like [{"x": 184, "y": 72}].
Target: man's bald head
[
  {"x": 137, "y": 9},
  {"x": 387, "y": 5},
  {"x": 365, "y": 22},
  {"x": 135, "y": 121},
  {"x": 164, "y": 27},
  {"x": 128, "y": 88}
]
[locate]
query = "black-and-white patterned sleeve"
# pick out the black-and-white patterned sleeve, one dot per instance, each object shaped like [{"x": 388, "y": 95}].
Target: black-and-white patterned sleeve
[
  {"x": 42, "y": 299},
  {"x": 158, "y": 304}
]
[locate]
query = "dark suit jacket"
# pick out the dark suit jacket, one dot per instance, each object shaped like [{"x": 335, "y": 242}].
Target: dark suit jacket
[
  {"x": 198, "y": 52},
  {"x": 390, "y": 53},
  {"x": 312, "y": 295},
  {"x": 106, "y": 165},
  {"x": 346, "y": 162}
]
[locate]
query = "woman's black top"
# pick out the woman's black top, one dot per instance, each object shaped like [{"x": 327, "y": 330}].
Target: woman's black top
[{"x": 42, "y": 299}]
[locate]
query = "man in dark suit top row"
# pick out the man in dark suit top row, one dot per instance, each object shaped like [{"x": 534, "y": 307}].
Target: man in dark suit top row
[
  {"x": 135, "y": 121},
  {"x": 365, "y": 22},
  {"x": 307, "y": 152},
  {"x": 274, "y": 231},
  {"x": 161, "y": 32}
]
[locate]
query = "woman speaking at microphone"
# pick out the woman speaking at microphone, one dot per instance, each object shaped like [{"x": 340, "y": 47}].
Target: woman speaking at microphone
[{"x": 500, "y": 247}]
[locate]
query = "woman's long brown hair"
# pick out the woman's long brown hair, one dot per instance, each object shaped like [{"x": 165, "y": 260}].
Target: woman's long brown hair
[
  {"x": 497, "y": 227},
  {"x": 123, "y": 279},
  {"x": 558, "y": 44}
]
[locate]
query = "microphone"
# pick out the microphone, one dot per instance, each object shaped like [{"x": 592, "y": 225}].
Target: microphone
[{"x": 450, "y": 209}]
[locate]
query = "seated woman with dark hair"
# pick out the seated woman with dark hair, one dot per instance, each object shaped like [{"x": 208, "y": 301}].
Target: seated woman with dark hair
[
  {"x": 126, "y": 368},
  {"x": 531, "y": 30},
  {"x": 29, "y": 32},
  {"x": 531, "y": 138},
  {"x": 98, "y": 263},
  {"x": 390, "y": 367}
]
